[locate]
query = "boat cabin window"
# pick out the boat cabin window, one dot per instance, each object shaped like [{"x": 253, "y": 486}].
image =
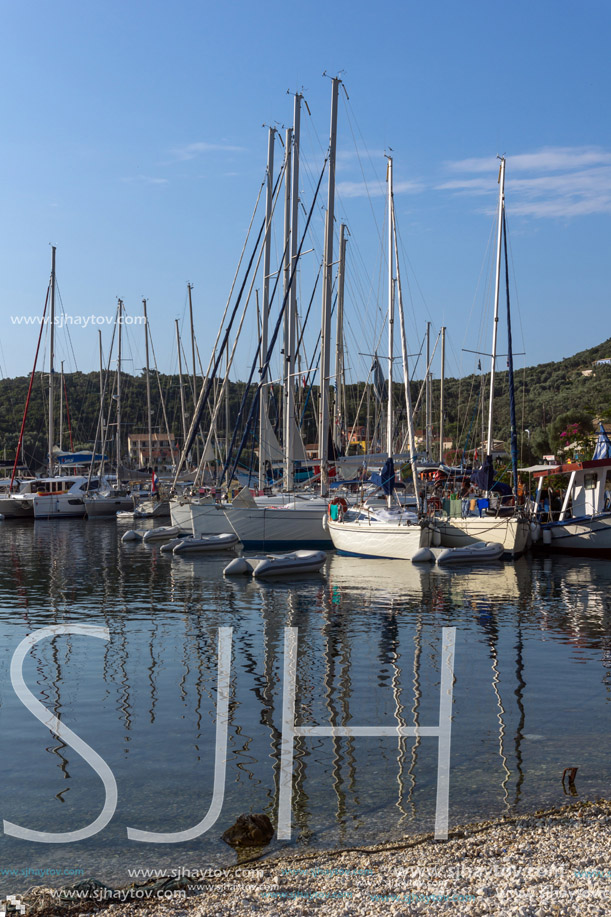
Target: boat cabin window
[
  {"x": 94, "y": 485},
  {"x": 590, "y": 481},
  {"x": 50, "y": 487}
]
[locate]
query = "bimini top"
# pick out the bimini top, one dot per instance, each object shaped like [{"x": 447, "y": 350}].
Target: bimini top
[{"x": 571, "y": 466}]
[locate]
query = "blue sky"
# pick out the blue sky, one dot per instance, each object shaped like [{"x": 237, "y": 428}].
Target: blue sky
[{"x": 133, "y": 140}]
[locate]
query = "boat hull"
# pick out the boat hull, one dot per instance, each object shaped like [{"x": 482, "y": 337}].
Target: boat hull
[
  {"x": 152, "y": 509},
  {"x": 181, "y": 515},
  {"x": 12, "y": 508},
  {"x": 107, "y": 506},
  {"x": 278, "y": 527},
  {"x": 209, "y": 519},
  {"x": 512, "y": 532},
  {"x": 378, "y": 539},
  {"x": 587, "y": 537},
  {"x": 60, "y": 506}
]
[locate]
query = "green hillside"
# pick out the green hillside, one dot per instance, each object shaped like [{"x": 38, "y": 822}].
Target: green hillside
[{"x": 550, "y": 398}]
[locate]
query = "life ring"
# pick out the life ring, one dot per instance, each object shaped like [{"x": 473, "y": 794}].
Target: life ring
[{"x": 340, "y": 502}]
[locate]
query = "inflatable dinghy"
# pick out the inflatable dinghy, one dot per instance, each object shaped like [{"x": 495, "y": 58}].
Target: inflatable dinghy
[
  {"x": 478, "y": 553},
  {"x": 295, "y": 563}
]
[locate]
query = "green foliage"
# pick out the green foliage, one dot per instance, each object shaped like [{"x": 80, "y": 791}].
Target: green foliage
[
  {"x": 550, "y": 398},
  {"x": 83, "y": 396}
]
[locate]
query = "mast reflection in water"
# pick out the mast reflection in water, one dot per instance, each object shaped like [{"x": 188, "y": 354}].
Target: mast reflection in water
[{"x": 531, "y": 695}]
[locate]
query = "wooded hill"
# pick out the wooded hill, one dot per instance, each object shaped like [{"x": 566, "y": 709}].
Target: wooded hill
[{"x": 568, "y": 396}]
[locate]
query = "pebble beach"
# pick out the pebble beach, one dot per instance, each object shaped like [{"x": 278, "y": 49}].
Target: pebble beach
[{"x": 553, "y": 862}]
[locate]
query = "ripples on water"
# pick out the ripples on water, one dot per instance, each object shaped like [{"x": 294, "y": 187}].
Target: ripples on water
[{"x": 531, "y": 694}]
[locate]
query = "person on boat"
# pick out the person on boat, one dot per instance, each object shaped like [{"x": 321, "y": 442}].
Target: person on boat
[
  {"x": 555, "y": 505},
  {"x": 465, "y": 495}
]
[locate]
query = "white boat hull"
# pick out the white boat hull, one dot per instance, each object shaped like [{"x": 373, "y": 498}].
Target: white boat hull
[
  {"x": 585, "y": 536},
  {"x": 378, "y": 539},
  {"x": 512, "y": 532},
  {"x": 180, "y": 514},
  {"x": 107, "y": 506},
  {"x": 17, "y": 508},
  {"x": 209, "y": 519},
  {"x": 152, "y": 509},
  {"x": 59, "y": 506},
  {"x": 276, "y": 527}
]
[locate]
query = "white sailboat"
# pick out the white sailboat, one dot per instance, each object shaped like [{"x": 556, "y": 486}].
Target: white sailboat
[
  {"x": 62, "y": 497},
  {"x": 297, "y": 519},
  {"x": 110, "y": 499},
  {"x": 512, "y": 531},
  {"x": 20, "y": 504},
  {"x": 293, "y": 520},
  {"x": 392, "y": 531},
  {"x": 54, "y": 494}
]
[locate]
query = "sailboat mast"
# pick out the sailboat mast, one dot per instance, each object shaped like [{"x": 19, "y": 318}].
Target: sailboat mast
[
  {"x": 182, "y": 393},
  {"x": 227, "y": 406},
  {"x": 405, "y": 360},
  {"x": 368, "y": 417},
  {"x": 194, "y": 383},
  {"x": 427, "y": 389},
  {"x": 291, "y": 312},
  {"x": 325, "y": 339},
  {"x": 61, "y": 406},
  {"x": 189, "y": 288},
  {"x": 339, "y": 415},
  {"x": 512, "y": 399},
  {"x": 391, "y": 317},
  {"x": 441, "y": 393},
  {"x": 263, "y": 404},
  {"x": 292, "y": 304},
  {"x": 287, "y": 379},
  {"x": 51, "y": 356},
  {"x": 148, "y": 385},
  {"x": 102, "y": 435},
  {"x": 118, "y": 435},
  {"x": 495, "y": 325}
]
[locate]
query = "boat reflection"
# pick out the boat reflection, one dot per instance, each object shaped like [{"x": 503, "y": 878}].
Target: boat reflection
[{"x": 532, "y": 680}]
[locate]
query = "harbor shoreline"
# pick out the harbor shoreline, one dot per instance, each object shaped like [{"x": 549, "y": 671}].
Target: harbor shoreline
[{"x": 552, "y": 862}]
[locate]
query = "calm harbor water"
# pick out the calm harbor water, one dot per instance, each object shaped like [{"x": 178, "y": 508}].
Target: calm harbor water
[{"x": 532, "y": 695}]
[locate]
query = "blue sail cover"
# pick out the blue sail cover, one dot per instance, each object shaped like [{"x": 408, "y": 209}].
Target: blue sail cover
[
  {"x": 388, "y": 476},
  {"x": 79, "y": 458},
  {"x": 484, "y": 476},
  {"x": 603, "y": 445},
  {"x": 379, "y": 382}
]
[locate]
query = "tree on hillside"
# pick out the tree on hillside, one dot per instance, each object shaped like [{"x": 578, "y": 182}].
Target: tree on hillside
[{"x": 573, "y": 427}]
